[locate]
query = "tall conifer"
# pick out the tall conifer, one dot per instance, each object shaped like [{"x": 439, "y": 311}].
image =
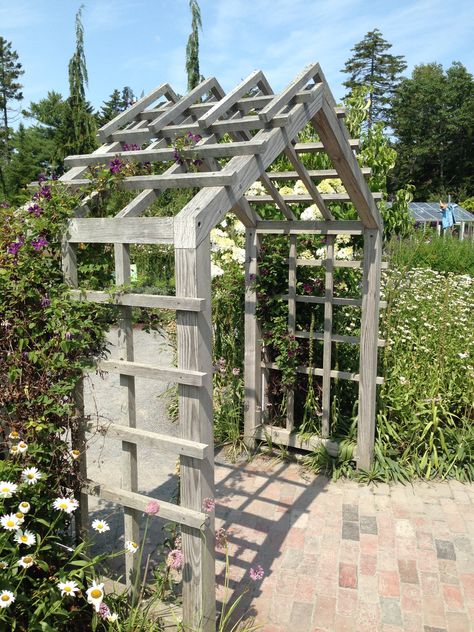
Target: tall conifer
[{"x": 192, "y": 48}]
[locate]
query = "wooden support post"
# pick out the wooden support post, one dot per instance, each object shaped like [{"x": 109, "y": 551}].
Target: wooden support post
[
  {"x": 461, "y": 231},
  {"x": 290, "y": 403},
  {"x": 327, "y": 340},
  {"x": 193, "y": 279},
  {"x": 253, "y": 345},
  {"x": 368, "y": 347},
  {"x": 78, "y": 435},
  {"x": 128, "y": 411}
]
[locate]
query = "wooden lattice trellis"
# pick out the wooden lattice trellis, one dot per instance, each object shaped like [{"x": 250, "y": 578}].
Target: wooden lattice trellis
[{"x": 260, "y": 126}]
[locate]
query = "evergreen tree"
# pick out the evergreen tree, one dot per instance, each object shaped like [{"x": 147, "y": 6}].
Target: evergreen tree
[
  {"x": 79, "y": 125},
  {"x": 116, "y": 103},
  {"x": 373, "y": 67},
  {"x": 192, "y": 48},
  {"x": 10, "y": 90}
]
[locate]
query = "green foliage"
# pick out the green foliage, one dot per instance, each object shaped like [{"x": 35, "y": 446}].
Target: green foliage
[
  {"x": 432, "y": 118},
  {"x": 116, "y": 103},
  {"x": 377, "y": 70},
  {"x": 428, "y": 250},
  {"x": 192, "y": 47}
]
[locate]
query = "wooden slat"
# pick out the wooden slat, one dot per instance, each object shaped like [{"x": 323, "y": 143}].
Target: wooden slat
[
  {"x": 319, "y": 335},
  {"x": 337, "y": 375},
  {"x": 222, "y": 178},
  {"x": 183, "y": 104},
  {"x": 129, "y": 114},
  {"x": 319, "y": 300},
  {"x": 315, "y": 174},
  {"x": 146, "y": 230},
  {"x": 300, "y": 199},
  {"x": 148, "y": 371},
  {"x": 341, "y": 227},
  {"x": 253, "y": 342},
  {"x": 282, "y": 436},
  {"x": 335, "y": 138},
  {"x": 290, "y": 412},
  {"x": 283, "y": 98},
  {"x": 152, "y": 301},
  {"x": 368, "y": 347},
  {"x": 216, "y": 150},
  {"x": 327, "y": 338},
  {"x": 312, "y": 148},
  {"x": 154, "y": 439},
  {"x": 337, "y": 263},
  {"x": 176, "y": 513},
  {"x": 125, "y": 349}
]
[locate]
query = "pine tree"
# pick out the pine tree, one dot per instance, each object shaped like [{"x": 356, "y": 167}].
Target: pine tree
[
  {"x": 192, "y": 48},
  {"x": 116, "y": 103},
  {"x": 373, "y": 67},
  {"x": 10, "y": 90},
  {"x": 79, "y": 127}
]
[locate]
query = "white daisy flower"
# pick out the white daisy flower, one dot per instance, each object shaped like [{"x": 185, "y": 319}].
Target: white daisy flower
[
  {"x": 26, "y": 561},
  {"x": 14, "y": 450},
  {"x": 75, "y": 454},
  {"x": 25, "y": 537},
  {"x": 21, "y": 517},
  {"x": 7, "y": 489},
  {"x": 112, "y": 617},
  {"x": 6, "y": 598},
  {"x": 9, "y": 522},
  {"x": 67, "y": 505},
  {"x": 95, "y": 594},
  {"x": 3, "y": 566},
  {"x": 22, "y": 447},
  {"x": 131, "y": 547},
  {"x": 31, "y": 475},
  {"x": 14, "y": 436},
  {"x": 68, "y": 589},
  {"x": 24, "y": 507},
  {"x": 100, "y": 525}
]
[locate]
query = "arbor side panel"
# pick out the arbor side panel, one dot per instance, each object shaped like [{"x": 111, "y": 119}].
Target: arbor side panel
[{"x": 193, "y": 279}]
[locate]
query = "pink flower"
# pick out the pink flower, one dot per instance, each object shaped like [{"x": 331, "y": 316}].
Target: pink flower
[
  {"x": 208, "y": 505},
  {"x": 257, "y": 573},
  {"x": 104, "y": 611},
  {"x": 152, "y": 508},
  {"x": 175, "y": 559},
  {"x": 178, "y": 543},
  {"x": 236, "y": 372}
]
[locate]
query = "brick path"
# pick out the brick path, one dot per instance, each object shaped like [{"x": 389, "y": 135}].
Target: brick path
[{"x": 342, "y": 557}]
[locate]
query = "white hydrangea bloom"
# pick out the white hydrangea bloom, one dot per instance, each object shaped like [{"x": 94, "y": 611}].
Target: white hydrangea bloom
[
  {"x": 312, "y": 213},
  {"x": 300, "y": 188},
  {"x": 257, "y": 188}
]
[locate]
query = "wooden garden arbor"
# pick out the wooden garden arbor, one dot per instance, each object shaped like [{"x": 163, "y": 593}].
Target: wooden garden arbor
[{"x": 251, "y": 127}]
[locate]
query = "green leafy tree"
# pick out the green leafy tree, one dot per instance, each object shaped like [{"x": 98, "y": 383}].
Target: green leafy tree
[
  {"x": 192, "y": 48},
  {"x": 79, "y": 123},
  {"x": 376, "y": 69},
  {"x": 50, "y": 116},
  {"x": 433, "y": 122},
  {"x": 10, "y": 90}
]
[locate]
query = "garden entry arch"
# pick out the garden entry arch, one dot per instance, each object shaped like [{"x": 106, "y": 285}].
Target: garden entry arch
[{"x": 249, "y": 127}]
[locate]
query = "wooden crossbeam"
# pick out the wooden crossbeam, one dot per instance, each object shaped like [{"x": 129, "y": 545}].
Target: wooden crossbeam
[
  {"x": 312, "y": 148},
  {"x": 337, "y": 375},
  {"x": 152, "y": 301},
  {"x": 307, "y": 227},
  {"x": 148, "y": 230},
  {"x": 163, "y": 374},
  {"x": 168, "y": 511},
  {"x": 319, "y": 335},
  {"x": 314, "y": 174},
  {"x": 338, "y": 263},
  {"x": 149, "y": 439},
  {"x": 282, "y": 436},
  {"x": 130, "y": 113},
  {"x": 304, "y": 197}
]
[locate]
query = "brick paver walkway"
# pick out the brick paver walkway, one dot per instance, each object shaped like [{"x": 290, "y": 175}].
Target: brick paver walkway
[{"x": 343, "y": 557}]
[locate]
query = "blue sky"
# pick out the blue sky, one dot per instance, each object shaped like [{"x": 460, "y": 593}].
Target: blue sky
[{"x": 141, "y": 43}]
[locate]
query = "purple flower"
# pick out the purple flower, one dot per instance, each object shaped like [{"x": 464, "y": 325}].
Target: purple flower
[
  {"x": 15, "y": 246},
  {"x": 208, "y": 505},
  {"x": 39, "y": 243},
  {"x": 42, "y": 177},
  {"x": 45, "y": 301},
  {"x": 257, "y": 573},
  {"x": 177, "y": 157},
  {"x": 104, "y": 611},
  {"x": 132, "y": 147},
  {"x": 68, "y": 335},
  {"x": 4, "y": 205},
  {"x": 307, "y": 287},
  {"x": 35, "y": 209},
  {"x": 175, "y": 559},
  {"x": 44, "y": 192},
  {"x": 115, "y": 165},
  {"x": 221, "y": 538}
]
